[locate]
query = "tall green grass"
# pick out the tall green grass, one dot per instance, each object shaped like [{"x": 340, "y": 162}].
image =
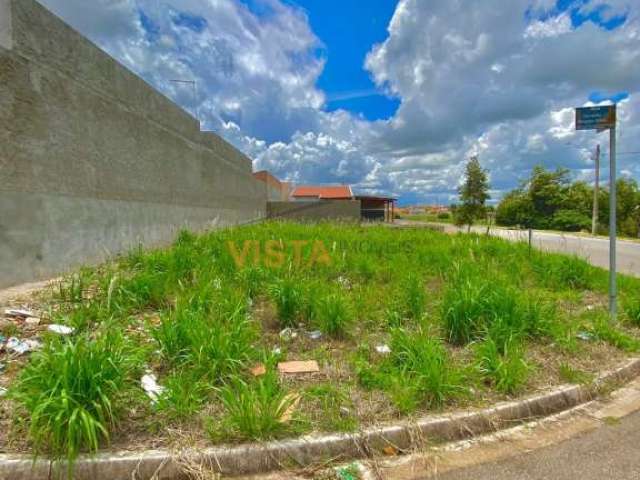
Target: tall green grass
[
  {"x": 502, "y": 362},
  {"x": 476, "y": 305},
  {"x": 201, "y": 310},
  {"x": 288, "y": 297},
  {"x": 215, "y": 343},
  {"x": 255, "y": 409},
  {"x": 333, "y": 315},
  {"x": 419, "y": 371},
  {"x": 73, "y": 392}
]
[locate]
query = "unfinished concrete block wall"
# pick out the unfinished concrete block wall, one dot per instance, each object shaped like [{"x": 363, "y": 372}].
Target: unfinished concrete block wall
[
  {"x": 93, "y": 160},
  {"x": 346, "y": 210}
]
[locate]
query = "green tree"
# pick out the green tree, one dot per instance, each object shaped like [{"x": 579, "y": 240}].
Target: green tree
[
  {"x": 474, "y": 193},
  {"x": 516, "y": 209},
  {"x": 547, "y": 191},
  {"x": 548, "y": 199}
]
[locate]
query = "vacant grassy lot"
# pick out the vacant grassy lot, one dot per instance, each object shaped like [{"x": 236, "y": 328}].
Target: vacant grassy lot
[{"x": 411, "y": 321}]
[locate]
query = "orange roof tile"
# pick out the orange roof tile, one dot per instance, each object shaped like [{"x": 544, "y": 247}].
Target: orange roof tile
[{"x": 320, "y": 191}]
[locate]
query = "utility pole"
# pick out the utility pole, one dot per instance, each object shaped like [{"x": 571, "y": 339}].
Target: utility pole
[{"x": 596, "y": 189}]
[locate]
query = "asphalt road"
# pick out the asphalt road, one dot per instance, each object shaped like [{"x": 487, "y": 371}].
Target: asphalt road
[
  {"x": 609, "y": 452},
  {"x": 593, "y": 249}
]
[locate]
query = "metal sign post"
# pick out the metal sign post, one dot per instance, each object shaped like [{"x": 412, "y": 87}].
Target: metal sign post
[
  {"x": 603, "y": 118},
  {"x": 612, "y": 223}
]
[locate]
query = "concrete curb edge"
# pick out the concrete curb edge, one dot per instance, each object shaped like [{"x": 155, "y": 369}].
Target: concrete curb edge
[{"x": 263, "y": 457}]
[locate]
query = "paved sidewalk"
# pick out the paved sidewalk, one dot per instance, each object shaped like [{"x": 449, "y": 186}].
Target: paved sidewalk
[{"x": 609, "y": 452}]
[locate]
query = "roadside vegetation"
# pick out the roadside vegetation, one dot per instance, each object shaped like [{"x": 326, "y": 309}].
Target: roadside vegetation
[
  {"x": 400, "y": 322},
  {"x": 550, "y": 200}
]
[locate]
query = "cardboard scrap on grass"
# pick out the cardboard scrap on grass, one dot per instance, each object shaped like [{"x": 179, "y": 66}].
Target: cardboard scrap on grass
[
  {"x": 259, "y": 370},
  {"x": 292, "y": 399},
  {"x": 299, "y": 366}
]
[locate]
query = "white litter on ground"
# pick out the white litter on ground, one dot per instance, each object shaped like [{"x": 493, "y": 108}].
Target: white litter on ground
[
  {"x": 60, "y": 329},
  {"x": 315, "y": 335},
  {"x": 288, "y": 334},
  {"x": 383, "y": 349},
  {"x": 22, "y": 346},
  {"x": 16, "y": 312},
  {"x": 150, "y": 385}
]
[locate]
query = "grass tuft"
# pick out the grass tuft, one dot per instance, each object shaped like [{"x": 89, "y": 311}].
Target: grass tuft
[
  {"x": 502, "y": 363},
  {"x": 288, "y": 298},
  {"x": 334, "y": 316},
  {"x": 73, "y": 390},
  {"x": 255, "y": 409}
]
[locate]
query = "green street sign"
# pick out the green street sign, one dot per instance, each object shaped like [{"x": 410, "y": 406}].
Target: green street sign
[{"x": 596, "y": 118}]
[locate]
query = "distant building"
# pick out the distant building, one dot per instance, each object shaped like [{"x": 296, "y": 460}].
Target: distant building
[
  {"x": 322, "y": 192},
  {"x": 277, "y": 191},
  {"x": 374, "y": 208}
]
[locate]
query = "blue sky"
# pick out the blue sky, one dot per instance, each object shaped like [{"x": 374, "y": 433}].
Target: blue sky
[
  {"x": 389, "y": 96},
  {"x": 348, "y": 36}
]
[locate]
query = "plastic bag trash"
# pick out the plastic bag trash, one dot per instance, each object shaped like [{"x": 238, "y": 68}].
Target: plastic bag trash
[
  {"x": 383, "y": 349},
  {"x": 350, "y": 472},
  {"x": 151, "y": 387},
  {"x": 585, "y": 336},
  {"x": 3, "y": 391},
  {"x": 61, "y": 329},
  {"x": 17, "y": 312},
  {"x": 315, "y": 335},
  {"x": 22, "y": 346},
  {"x": 276, "y": 350},
  {"x": 288, "y": 334}
]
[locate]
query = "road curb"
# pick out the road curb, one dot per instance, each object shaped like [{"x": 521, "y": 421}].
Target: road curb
[{"x": 263, "y": 457}]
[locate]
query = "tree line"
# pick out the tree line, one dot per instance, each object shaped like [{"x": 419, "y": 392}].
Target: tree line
[{"x": 549, "y": 200}]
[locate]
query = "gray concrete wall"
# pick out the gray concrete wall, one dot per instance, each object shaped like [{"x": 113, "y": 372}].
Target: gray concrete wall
[
  {"x": 348, "y": 210},
  {"x": 5, "y": 25},
  {"x": 94, "y": 161}
]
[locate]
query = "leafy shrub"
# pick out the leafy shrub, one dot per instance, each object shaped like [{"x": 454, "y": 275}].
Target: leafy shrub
[
  {"x": 73, "y": 390},
  {"x": 570, "y": 221}
]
